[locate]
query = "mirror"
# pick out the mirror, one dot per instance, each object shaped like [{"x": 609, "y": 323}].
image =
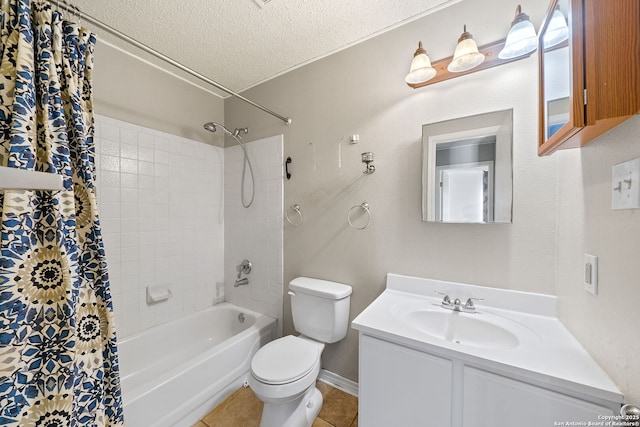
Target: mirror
[
  {"x": 556, "y": 72},
  {"x": 467, "y": 169}
]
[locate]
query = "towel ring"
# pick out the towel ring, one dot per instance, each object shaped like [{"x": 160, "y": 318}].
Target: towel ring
[
  {"x": 296, "y": 209},
  {"x": 365, "y": 207}
]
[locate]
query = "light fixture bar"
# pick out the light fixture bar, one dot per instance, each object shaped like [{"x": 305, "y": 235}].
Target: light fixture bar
[{"x": 490, "y": 52}]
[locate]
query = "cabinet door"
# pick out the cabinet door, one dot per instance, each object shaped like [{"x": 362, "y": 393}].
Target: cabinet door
[
  {"x": 496, "y": 401},
  {"x": 589, "y": 78},
  {"x": 402, "y": 387},
  {"x": 561, "y": 74}
]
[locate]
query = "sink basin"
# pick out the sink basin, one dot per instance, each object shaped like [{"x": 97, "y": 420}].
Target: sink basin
[{"x": 475, "y": 330}]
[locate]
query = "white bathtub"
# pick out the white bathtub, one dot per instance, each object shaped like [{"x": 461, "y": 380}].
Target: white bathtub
[{"x": 174, "y": 373}]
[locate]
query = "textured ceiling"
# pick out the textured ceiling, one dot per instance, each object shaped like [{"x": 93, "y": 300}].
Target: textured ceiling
[{"x": 240, "y": 44}]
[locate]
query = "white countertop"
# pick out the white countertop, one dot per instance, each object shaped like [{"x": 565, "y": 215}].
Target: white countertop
[{"x": 547, "y": 353}]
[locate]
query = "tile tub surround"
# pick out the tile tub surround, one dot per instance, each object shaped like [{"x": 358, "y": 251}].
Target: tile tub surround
[
  {"x": 160, "y": 199},
  {"x": 255, "y": 233}
]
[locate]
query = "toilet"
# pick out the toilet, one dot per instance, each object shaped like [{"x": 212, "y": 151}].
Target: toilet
[{"x": 284, "y": 371}]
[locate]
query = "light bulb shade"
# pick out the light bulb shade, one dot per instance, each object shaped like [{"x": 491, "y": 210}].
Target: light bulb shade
[
  {"x": 521, "y": 40},
  {"x": 421, "y": 69},
  {"x": 557, "y": 30},
  {"x": 466, "y": 56}
]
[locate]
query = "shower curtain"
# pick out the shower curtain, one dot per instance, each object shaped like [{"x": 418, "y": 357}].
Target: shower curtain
[{"x": 58, "y": 358}]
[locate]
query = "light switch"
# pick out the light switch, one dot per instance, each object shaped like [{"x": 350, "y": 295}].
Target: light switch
[{"x": 625, "y": 185}]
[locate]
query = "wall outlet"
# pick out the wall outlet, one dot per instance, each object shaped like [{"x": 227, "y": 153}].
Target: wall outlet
[{"x": 591, "y": 273}]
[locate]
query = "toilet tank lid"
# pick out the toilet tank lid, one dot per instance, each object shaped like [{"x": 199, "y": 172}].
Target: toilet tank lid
[{"x": 320, "y": 288}]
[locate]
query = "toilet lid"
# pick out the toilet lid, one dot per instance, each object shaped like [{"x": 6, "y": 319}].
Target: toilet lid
[{"x": 284, "y": 360}]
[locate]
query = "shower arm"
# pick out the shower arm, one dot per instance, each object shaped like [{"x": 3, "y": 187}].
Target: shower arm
[{"x": 83, "y": 16}]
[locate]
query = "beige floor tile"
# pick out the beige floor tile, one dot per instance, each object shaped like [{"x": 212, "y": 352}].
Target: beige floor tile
[
  {"x": 339, "y": 408},
  {"x": 242, "y": 408},
  {"x": 319, "y": 422}
]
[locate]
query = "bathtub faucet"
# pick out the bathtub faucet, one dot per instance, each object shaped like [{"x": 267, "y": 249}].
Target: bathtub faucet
[
  {"x": 240, "y": 282},
  {"x": 244, "y": 267}
]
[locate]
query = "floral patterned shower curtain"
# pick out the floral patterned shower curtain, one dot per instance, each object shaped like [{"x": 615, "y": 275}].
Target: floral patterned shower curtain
[{"x": 58, "y": 358}]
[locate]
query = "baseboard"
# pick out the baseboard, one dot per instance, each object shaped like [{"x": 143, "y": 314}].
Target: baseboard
[{"x": 338, "y": 382}]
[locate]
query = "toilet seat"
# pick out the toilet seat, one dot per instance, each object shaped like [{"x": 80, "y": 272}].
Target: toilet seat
[{"x": 285, "y": 360}]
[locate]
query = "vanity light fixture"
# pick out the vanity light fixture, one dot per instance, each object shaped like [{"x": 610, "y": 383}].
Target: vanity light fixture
[
  {"x": 557, "y": 31},
  {"x": 421, "y": 69},
  {"x": 522, "y": 38},
  {"x": 468, "y": 58},
  {"x": 466, "y": 55}
]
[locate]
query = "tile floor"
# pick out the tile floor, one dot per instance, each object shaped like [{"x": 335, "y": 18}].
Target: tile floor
[{"x": 243, "y": 409}]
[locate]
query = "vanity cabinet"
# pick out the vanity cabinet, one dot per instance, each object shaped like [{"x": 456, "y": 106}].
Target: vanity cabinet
[
  {"x": 590, "y": 82},
  {"x": 402, "y": 386}
]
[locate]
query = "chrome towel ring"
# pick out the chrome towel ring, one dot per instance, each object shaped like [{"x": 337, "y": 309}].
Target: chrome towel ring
[
  {"x": 365, "y": 207},
  {"x": 296, "y": 209}
]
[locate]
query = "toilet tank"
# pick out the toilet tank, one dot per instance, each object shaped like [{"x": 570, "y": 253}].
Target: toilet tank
[{"x": 320, "y": 308}]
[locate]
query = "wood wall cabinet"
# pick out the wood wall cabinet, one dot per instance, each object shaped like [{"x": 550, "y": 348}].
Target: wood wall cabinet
[{"x": 591, "y": 82}]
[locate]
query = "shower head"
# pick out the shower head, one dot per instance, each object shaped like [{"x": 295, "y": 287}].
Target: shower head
[{"x": 213, "y": 126}]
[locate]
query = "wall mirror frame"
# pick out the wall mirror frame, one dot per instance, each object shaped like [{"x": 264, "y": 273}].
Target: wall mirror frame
[{"x": 467, "y": 169}]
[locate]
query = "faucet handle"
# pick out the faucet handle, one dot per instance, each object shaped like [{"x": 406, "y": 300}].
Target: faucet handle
[
  {"x": 445, "y": 299},
  {"x": 469, "y": 305},
  {"x": 243, "y": 267}
]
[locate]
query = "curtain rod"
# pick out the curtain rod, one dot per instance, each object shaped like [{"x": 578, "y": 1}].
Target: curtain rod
[{"x": 83, "y": 16}]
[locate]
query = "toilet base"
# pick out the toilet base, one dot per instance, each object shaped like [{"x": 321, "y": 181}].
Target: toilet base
[{"x": 300, "y": 412}]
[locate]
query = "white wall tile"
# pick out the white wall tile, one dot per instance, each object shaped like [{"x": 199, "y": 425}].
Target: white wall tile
[
  {"x": 141, "y": 209},
  {"x": 108, "y": 147},
  {"x": 165, "y": 202},
  {"x": 128, "y": 151},
  {"x": 255, "y": 232}
]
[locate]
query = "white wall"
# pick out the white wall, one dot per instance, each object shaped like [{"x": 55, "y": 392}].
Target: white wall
[
  {"x": 128, "y": 88},
  {"x": 607, "y": 324},
  {"x": 160, "y": 199},
  {"x": 255, "y": 233}
]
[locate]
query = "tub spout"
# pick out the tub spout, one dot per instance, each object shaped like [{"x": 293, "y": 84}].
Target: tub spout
[{"x": 240, "y": 282}]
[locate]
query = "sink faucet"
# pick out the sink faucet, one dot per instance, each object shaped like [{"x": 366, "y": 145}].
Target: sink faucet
[{"x": 456, "y": 305}]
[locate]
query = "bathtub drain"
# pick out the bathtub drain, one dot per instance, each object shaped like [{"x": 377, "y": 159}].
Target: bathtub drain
[{"x": 241, "y": 317}]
